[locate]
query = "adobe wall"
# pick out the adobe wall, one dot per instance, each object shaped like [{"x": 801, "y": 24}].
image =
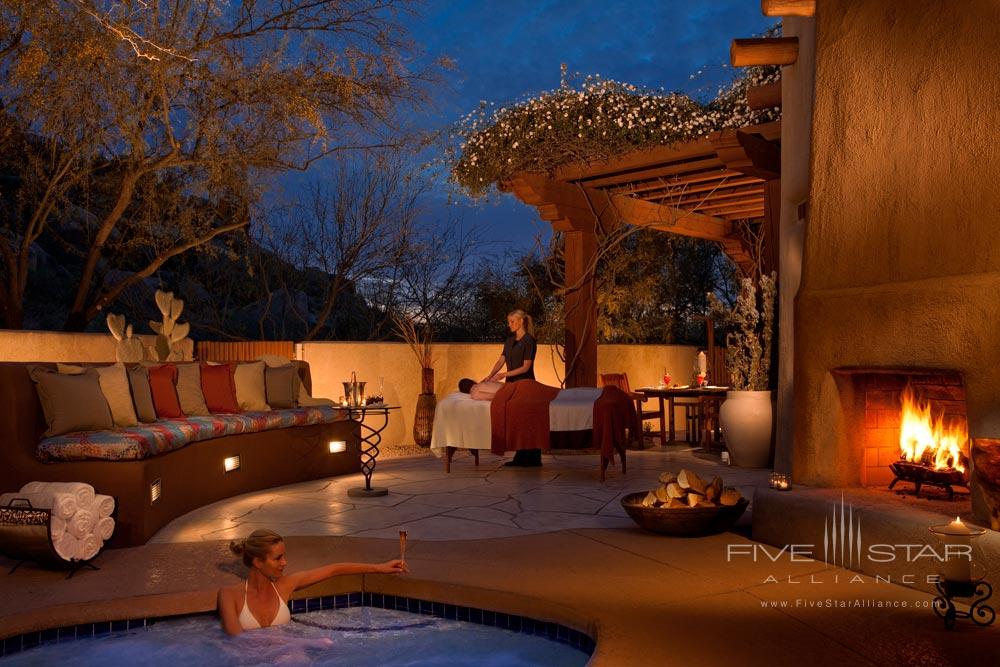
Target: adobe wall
[{"x": 902, "y": 243}]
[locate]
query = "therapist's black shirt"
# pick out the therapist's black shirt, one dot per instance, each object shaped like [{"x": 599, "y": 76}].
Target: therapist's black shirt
[{"x": 516, "y": 352}]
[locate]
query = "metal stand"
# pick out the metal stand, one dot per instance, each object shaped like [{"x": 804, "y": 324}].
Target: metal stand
[
  {"x": 979, "y": 612},
  {"x": 368, "y": 448}
]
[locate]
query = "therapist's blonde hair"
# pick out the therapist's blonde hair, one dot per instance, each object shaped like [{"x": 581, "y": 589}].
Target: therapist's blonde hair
[{"x": 529, "y": 324}]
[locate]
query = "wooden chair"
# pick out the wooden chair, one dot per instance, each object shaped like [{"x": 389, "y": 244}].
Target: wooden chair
[{"x": 620, "y": 380}]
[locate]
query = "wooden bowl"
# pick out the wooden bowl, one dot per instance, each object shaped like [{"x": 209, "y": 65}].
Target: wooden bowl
[{"x": 683, "y": 521}]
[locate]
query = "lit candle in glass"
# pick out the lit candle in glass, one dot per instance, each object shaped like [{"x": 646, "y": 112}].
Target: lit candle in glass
[{"x": 957, "y": 565}]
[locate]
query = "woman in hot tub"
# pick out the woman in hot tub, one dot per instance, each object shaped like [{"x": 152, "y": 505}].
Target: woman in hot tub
[
  {"x": 519, "y": 357},
  {"x": 260, "y": 601}
]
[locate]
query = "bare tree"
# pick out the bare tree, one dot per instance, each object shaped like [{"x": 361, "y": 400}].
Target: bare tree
[{"x": 139, "y": 112}]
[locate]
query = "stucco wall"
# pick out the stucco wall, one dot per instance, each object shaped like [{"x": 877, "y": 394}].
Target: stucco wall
[
  {"x": 902, "y": 243},
  {"x": 332, "y": 362},
  {"x": 60, "y": 346}
]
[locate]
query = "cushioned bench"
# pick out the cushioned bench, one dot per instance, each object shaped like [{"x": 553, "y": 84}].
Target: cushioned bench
[{"x": 183, "y": 457}]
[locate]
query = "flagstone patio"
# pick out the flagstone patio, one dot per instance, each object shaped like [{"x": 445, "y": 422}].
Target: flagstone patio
[{"x": 471, "y": 502}]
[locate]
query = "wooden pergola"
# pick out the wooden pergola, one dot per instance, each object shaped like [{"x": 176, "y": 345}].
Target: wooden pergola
[{"x": 700, "y": 188}]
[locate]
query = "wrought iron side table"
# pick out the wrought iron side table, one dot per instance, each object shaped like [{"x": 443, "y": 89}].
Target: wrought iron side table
[{"x": 368, "y": 445}]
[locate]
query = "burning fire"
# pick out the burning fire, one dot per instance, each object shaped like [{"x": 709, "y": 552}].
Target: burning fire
[{"x": 926, "y": 440}]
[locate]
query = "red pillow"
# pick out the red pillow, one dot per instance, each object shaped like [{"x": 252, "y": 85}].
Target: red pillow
[
  {"x": 163, "y": 385},
  {"x": 219, "y": 388}
]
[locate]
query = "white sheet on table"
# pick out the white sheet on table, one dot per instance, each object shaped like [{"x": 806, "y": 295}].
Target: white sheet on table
[
  {"x": 460, "y": 421},
  {"x": 573, "y": 409}
]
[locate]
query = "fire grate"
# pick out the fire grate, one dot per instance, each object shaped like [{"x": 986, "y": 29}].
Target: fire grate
[{"x": 919, "y": 475}]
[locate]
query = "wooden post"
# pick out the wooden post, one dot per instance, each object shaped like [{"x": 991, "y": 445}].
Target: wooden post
[
  {"x": 767, "y": 51},
  {"x": 581, "y": 310},
  {"x": 788, "y": 7},
  {"x": 764, "y": 97}
]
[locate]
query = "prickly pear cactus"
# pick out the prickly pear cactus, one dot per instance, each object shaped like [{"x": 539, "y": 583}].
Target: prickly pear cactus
[
  {"x": 170, "y": 332},
  {"x": 127, "y": 349}
]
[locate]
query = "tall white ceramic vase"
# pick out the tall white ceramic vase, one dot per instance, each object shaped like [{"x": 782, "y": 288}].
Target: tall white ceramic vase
[{"x": 746, "y": 422}]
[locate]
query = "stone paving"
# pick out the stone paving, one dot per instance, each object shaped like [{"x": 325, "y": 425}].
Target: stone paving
[{"x": 488, "y": 501}]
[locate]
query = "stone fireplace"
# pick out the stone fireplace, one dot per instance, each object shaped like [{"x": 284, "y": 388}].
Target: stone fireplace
[{"x": 935, "y": 415}]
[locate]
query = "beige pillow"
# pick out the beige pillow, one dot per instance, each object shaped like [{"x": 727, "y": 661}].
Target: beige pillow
[
  {"x": 251, "y": 392},
  {"x": 115, "y": 387},
  {"x": 189, "y": 390},
  {"x": 71, "y": 402}
]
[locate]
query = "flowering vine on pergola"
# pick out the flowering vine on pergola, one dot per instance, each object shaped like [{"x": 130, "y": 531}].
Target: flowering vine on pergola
[{"x": 603, "y": 154}]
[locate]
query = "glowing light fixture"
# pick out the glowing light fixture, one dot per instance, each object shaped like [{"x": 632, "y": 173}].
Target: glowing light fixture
[
  {"x": 231, "y": 463},
  {"x": 155, "y": 489},
  {"x": 337, "y": 446}
]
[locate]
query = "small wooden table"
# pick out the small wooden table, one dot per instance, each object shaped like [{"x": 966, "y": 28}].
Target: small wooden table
[{"x": 667, "y": 395}]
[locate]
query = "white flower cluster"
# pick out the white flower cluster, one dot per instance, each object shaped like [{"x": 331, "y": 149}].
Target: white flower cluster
[{"x": 597, "y": 119}]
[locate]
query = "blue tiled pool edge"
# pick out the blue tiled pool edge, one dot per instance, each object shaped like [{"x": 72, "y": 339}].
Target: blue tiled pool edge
[{"x": 525, "y": 625}]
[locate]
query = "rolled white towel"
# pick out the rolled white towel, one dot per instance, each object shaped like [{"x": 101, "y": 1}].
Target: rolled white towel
[
  {"x": 84, "y": 492},
  {"x": 105, "y": 528},
  {"x": 103, "y": 505},
  {"x": 88, "y": 547},
  {"x": 63, "y": 505},
  {"x": 81, "y": 523},
  {"x": 57, "y": 527},
  {"x": 67, "y": 546}
]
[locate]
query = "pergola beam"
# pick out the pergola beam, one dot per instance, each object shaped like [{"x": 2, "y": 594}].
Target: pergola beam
[
  {"x": 788, "y": 7},
  {"x": 764, "y": 51}
]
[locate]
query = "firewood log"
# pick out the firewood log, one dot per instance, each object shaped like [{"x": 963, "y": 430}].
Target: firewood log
[
  {"x": 689, "y": 479},
  {"x": 730, "y": 496}
]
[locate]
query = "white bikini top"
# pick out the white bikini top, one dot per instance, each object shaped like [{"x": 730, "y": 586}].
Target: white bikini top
[{"x": 249, "y": 622}]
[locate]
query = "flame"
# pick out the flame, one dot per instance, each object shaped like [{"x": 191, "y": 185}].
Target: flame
[{"x": 926, "y": 439}]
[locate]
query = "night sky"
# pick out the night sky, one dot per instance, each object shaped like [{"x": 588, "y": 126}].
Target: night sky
[{"x": 508, "y": 49}]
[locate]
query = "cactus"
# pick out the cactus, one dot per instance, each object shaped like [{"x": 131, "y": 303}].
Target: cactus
[
  {"x": 127, "y": 349},
  {"x": 170, "y": 333}
]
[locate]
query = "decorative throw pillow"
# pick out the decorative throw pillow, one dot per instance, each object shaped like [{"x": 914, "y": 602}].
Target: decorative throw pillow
[
  {"x": 251, "y": 393},
  {"x": 219, "y": 389},
  {"x": 71, "y": 402},
  {"x": 142, "y": 396},
  {"x": 163, "y": 385},
  {"x": 281, "y": 384},
  {"x": 115, "y": 387},
  {"x": 189, "y": 391}
]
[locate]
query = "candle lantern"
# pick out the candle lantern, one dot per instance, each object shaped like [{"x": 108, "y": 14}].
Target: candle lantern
[
  {"x": 780, "y": 481},
  {"x": 962, "y": 575}
]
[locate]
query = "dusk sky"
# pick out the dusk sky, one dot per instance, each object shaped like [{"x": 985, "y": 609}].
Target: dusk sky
[{"x": 506, "y": 50}]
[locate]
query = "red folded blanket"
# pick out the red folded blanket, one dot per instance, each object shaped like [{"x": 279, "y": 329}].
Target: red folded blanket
[{"x": 519, "y": 418}]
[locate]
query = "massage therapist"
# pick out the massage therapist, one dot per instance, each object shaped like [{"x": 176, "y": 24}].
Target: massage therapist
[{"x": 519, "y": 357}]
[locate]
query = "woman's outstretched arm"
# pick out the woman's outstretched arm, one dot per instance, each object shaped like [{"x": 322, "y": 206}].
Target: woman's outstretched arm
[{"x": 309, "y": 577}]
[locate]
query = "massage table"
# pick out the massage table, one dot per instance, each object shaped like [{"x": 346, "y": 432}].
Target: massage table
[{"x": 530, "y": 415}]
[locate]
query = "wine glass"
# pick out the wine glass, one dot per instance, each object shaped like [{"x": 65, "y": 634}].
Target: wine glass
[{"x": 666, "y": 378}]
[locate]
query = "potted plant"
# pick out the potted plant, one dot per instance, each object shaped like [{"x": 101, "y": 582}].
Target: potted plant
[
  {"x": 420, "y": 339},
  {"x": 746, "y": 416}
]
